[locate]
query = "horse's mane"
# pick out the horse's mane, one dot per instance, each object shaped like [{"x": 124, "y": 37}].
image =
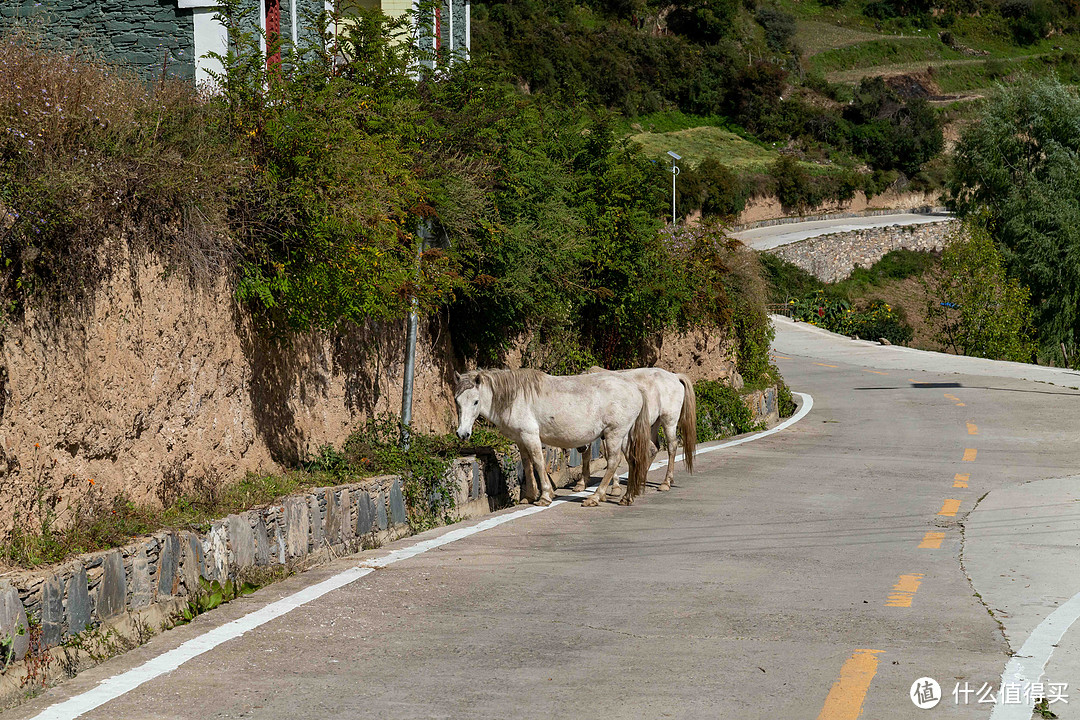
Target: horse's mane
[{"x": 506, "y": 385}]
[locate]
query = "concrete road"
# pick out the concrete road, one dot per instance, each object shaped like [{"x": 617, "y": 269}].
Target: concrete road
[
  {"x": 772, "y": 236},
  {"x": 814, "y": 573}
]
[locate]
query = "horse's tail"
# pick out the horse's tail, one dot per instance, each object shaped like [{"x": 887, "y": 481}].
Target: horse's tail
[
  {"x": 688, "y": 423},
  {"x": 637, "y": 454}
]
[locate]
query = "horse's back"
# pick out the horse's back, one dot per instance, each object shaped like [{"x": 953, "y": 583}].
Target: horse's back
[
  {"x": 574, "y": 410},
  {"x": 665, "y": 390}
]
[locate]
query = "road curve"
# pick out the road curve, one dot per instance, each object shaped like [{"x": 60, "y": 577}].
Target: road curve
[
  {"x": 815, "y": 573},
  {"x": 773, "y": 236}
]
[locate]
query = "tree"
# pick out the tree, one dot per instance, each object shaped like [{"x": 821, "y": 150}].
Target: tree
[
  {"x": 973, "y": 307},
  {"x": 779, "y": 28},
  {"x": 1019, "y": 168},
  {"x": 892, "y": 134}
]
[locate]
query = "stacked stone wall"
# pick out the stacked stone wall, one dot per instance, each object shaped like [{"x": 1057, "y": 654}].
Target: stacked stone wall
[{"x": 834, "y": 257}]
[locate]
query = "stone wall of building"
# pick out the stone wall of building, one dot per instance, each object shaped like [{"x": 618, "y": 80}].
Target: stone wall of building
[{"x": 149, "y": 35}]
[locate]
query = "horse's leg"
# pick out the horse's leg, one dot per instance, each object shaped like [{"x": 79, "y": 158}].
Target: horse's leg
[
  {"x": 536, "y": 455},
  {"x": 670, "y": 432},
  {"x": 586, "y": 459},
  {"x": 529, "y": 492},
  {"x": 614, "y": 459}
]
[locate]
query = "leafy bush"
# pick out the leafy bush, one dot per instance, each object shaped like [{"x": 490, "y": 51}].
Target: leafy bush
[
  {"x": 88, "y": 153},
  {"x": 704, "y": 21},
  {"x": 720, "y": 411},
  {"x": 973, "y": 307},
  {"x": 890, "y": 133},
  {"x": 714, "y": 189},
  {"x": 787, "y": 281},
  {"x": 779, "y": 27},
  {"x": 1029, "y": 19}
]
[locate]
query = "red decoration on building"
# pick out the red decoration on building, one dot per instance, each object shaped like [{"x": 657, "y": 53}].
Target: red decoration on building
[{"x": 273, "y": 34}]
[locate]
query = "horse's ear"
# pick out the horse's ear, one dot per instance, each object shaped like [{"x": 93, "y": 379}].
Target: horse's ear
[
  {"x": 457, "y": 376},
  {"x": 477, "y": 379}
]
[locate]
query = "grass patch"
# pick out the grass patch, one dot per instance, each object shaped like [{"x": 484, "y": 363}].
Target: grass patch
[
  {"x": 814, "y": 36},
  {"x": 883, "y": 52},
  {"x": 697, "y": 143},
  {"x": 895, "y": 265},
  {"x": 788, "y": 281}
]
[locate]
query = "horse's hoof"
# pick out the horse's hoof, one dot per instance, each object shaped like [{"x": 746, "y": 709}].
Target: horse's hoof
[
  {"x": 590, "y": 502},
  {"x": 663, "y": 487},
  {"x": 579, "y": 487},
  {"x": 616, "y": 490},
  {"x": 627, "y": 501},
  {"x": 542, "y": 501}
]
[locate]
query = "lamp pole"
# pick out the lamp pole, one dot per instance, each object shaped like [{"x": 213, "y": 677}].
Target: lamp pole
[
  {"x": 674, "y": 174},
  {"x": 424, "y": 233}
]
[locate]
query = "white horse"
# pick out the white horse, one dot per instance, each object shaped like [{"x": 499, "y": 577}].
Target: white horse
[
  {"x": 534, "y": 409},
  {"x": 673, "y": 406}
]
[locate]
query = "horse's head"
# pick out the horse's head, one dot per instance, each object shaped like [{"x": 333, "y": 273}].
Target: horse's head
[{"x": 468, "y": 396}]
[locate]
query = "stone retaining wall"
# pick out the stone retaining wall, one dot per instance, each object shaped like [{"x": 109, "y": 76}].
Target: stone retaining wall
[
  {"x": 833, "y": 257},
  {"x": 765, "y": 405},
  {"x": 159, "y": 573}
]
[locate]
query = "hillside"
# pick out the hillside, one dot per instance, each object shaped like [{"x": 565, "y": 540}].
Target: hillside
[{"x": 745, "y": 83}]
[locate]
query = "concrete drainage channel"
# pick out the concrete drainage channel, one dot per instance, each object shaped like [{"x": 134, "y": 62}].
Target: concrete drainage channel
[{"x": 57, "y": 621}]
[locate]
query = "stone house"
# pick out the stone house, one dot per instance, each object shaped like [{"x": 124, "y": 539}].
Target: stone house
[{"x": 173, "y": 37}]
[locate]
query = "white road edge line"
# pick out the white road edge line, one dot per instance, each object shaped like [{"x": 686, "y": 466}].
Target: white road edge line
[
  {"x": 125, "y": 682},
  {"x": 1029, "y": 664}
]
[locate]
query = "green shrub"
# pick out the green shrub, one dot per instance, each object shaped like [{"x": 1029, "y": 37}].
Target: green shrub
[
  {"x": 787, "y": 280},
  {"x": 779, "y": 27},
  {"x": 974, "y": 308},
  {"x": 720, "y": 411}
]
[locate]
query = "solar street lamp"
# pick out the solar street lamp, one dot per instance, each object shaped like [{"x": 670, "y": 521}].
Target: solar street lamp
[{"x": 674, "y": 174}]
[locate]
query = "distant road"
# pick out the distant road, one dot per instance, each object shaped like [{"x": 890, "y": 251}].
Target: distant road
[{"x": 767, "y": 238}]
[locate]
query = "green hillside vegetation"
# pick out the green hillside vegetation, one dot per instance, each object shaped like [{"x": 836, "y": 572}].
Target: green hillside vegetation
[
  {"x": 779, "y": 76},
  {"x": 309, "y": 189}
]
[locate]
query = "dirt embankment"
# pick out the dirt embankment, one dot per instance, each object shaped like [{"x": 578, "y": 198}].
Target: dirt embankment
[
  {"x": 769, "y": 208},
  {"x": 160, "y": 387}
]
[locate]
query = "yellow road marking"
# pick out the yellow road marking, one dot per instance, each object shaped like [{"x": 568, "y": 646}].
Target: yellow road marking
[
  {"x": 969, "y": 454},
  {"x": 904, "y": 590},
  {"x": 781, "y": 357},
  {"x": 932, "y": 540},
  {"x": 876, "y": 372},
  {"x": 972, "y": 429},
  {"x": 960, "y": 405},
  {"x": 824, "y": 365},
  {"x": 949, "y": 508},
  {"x": 846, "y": 696},
  {"x": 961, "y": 479},
  {"x": 950, "y": 396}
]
